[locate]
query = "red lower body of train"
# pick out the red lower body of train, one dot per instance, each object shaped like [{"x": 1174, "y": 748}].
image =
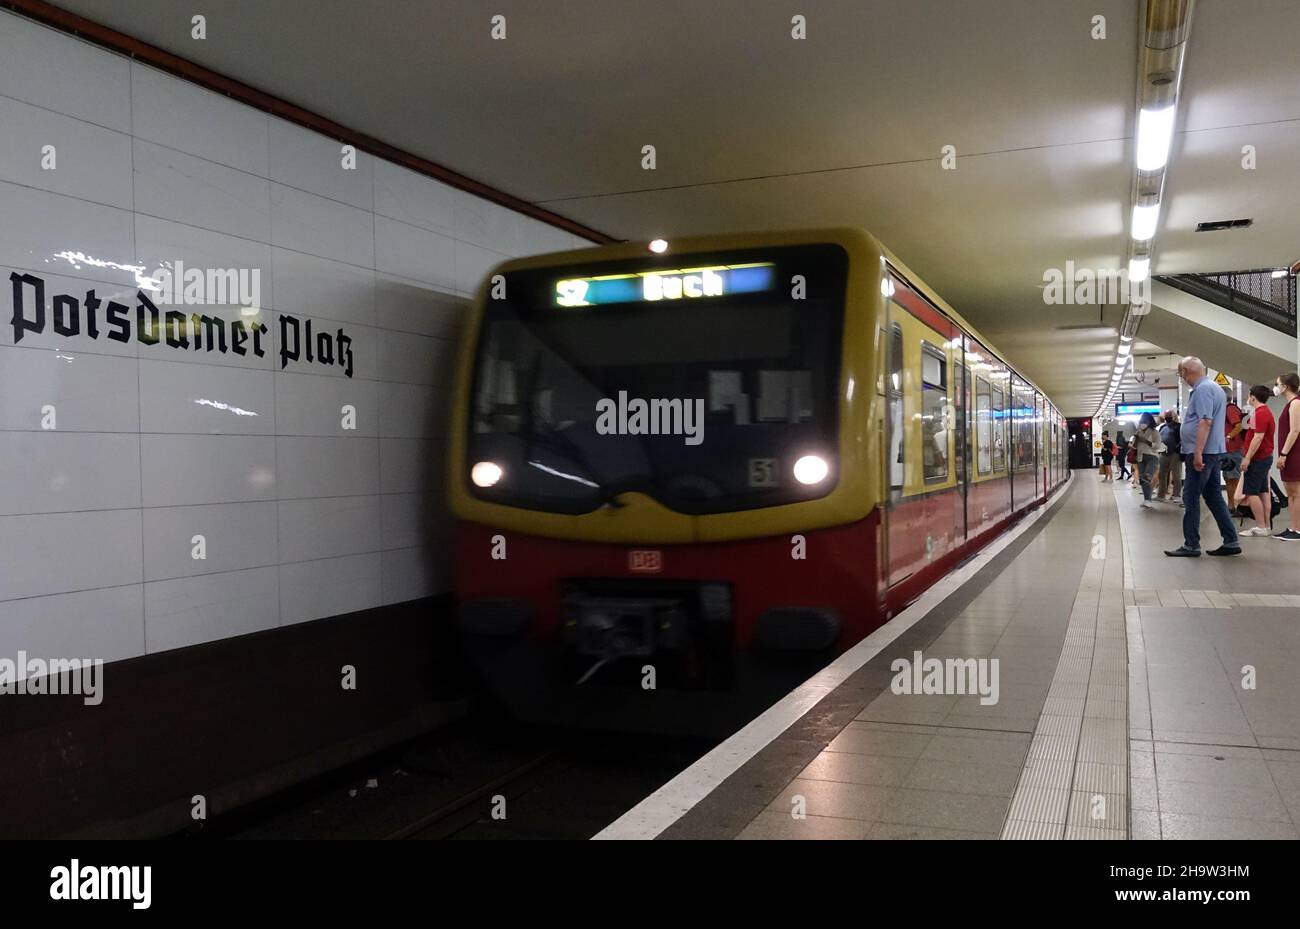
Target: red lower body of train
[{"x": 697, "y": 638}]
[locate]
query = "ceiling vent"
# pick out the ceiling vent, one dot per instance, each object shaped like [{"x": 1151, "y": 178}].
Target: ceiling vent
[{"x": 1223, "y": 224}]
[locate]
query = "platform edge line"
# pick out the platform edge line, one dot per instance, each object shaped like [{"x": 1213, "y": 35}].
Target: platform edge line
[{"x": 676, "y": 798}]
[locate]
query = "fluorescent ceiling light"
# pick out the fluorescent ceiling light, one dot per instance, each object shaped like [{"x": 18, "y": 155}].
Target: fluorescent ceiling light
[
  {"x": 1144, "y": 221},
  {"x": 1124, "y": 349},
  {"x": 1155, "y": 132},
  {"x": 1138, "y": 268}
]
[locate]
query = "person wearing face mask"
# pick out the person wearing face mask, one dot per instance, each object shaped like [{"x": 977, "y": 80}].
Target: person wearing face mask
[
  {"x": 1288, "y": 456},
  {"x": 1256, "y": 462},
  {"x": 1203, "y": 450}
]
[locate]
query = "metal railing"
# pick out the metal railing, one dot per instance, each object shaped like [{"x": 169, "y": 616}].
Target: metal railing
[{"x": 1257, "y": 295}]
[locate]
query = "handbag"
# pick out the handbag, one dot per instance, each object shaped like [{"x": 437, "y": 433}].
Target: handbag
[{"x": 1132, "y": 455}]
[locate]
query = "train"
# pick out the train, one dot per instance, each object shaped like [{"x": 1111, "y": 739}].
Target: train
[{"x": 684, "y": 474}]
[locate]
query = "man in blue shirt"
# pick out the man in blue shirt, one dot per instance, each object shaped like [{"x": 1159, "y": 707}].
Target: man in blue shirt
[{"x": 1203, "y": 449}]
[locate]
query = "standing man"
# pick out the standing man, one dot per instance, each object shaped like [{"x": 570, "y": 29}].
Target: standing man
[{"x": 1203, "y": 450}]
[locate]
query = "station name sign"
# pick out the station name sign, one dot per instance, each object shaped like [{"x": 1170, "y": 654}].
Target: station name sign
[
  {"x": 654, "y": 286},
  {"x": 90, "y": 316}
]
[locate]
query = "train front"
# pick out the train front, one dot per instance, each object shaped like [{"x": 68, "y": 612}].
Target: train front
[{"x": 662, "y": 480}]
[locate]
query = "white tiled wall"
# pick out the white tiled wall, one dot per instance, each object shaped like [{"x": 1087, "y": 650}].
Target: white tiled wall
[{"x": 302, "y": 520}]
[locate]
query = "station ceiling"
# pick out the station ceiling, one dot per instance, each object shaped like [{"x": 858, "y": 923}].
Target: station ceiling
[{"x": 754, "y": 129}]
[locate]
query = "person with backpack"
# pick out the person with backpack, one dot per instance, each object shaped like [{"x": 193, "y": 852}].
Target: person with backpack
[
  {"x": 1256, "y": 463},
  {"x": 1171, "y": 460}
]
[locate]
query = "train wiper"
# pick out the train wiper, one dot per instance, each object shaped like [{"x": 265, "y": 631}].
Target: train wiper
[{"x": 606, "y": 494}]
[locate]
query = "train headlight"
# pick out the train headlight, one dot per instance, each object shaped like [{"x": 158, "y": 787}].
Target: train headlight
[
  {"x": 811, "y": 469},
  {"x": 485, "y": 473}
]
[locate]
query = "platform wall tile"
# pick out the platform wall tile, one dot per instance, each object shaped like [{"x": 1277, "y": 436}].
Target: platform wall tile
[{"x": 118, "y": 453}]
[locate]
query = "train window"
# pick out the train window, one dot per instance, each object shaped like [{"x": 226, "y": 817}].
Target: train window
[
  {"x": 983, "y": 427},
  {"x": 895, "y": 388},
  {"x": 999, "y": 430},
  {"x": 1029, "y": 431},
  {"x": 935, "y": 427}
]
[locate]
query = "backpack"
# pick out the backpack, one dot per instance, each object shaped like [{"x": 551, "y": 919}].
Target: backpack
[{"x": 1277, "y": 496}]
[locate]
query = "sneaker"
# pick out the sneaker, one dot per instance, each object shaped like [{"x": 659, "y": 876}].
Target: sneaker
[
  {"x": 1255, "y": 531},
  {"x": 1289, "y": 535},
  {"x": 1184, "y": 552},
  {"x": 1146, "y": 505},
  {"x": 1228, "y": 549}
]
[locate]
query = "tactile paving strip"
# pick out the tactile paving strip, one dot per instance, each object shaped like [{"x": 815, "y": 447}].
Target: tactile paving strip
[{"x": 1075, "y": 781}]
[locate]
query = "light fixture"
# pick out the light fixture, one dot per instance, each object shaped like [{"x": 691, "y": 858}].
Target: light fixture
[
  {"x": 886, "y": 287},
  {"x": 1280, "y": 272},
  {"x": 1145, "y": 216},
  {"x": 485, "y": 473},
  {"x": 1138, "y": 268},
  {"x": 1155, "y": 132},
  {"x": 658, "y": 246},
  {"x": 811, "y": 469},
  {"x": 1125, "y": 348}
]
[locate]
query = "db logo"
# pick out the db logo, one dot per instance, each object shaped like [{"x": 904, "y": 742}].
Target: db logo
[{"x": 645, "y": 561}]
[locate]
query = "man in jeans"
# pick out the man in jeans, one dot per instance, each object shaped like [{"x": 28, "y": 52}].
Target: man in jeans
[{"x": 1203, "y": 450}]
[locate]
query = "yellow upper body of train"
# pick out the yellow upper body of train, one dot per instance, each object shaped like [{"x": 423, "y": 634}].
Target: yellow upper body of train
[{"x": 860, "y": 401}]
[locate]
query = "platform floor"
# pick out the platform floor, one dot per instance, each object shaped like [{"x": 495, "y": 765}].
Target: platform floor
[{"x": 1139, "y": 697}]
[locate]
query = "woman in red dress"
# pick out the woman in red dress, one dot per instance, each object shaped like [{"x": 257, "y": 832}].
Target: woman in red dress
[{"x": 1288, "y": 456}]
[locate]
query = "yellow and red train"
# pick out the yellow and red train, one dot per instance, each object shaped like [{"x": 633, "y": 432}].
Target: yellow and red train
[{"x": 680, "y": 471}]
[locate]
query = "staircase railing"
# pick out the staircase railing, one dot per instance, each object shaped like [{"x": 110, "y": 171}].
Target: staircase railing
[{"x": 1257, "y": 295}]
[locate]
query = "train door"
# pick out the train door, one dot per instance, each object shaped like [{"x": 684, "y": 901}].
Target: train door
[
  {"x": 961, "y": 406},
  {"x": 894, "y": 434},
  {"x": 1040, "y": 449},
  {"x": 924, "y": 518},
  {"x": 1011, "y": 422}
]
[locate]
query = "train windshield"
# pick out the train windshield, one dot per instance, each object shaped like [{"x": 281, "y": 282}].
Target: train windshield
[{"x": 708, "y": 382}]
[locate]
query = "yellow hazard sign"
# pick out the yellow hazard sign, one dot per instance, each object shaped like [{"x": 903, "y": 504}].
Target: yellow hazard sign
[{"x": 1221, "y": 380}]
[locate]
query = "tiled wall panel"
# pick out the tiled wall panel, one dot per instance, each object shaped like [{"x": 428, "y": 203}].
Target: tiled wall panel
[{"x": 180, "y": 495}]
